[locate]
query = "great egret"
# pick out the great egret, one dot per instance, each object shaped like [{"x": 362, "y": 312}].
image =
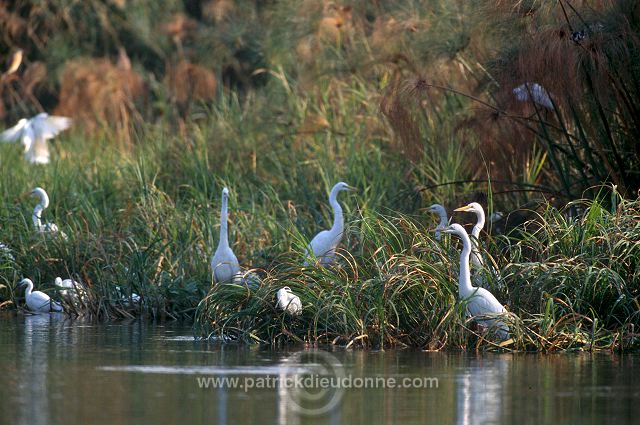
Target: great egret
[
  {"x": 37, "y": 301},
  {"x": 34, "y": 133},
  {"x": 324, "y": 244},
  {"x": 442, "y": 213},
  {"x": 533, "y": 91},
  {"x": 289, "y": 301},
  {"x": 127, "y": 299},
  {"x": 71, "y": 291},
  {"x": 37, "y": 214},
  {"x": 481, "y": 305},
  {"x": 224, "y": 262},
  {"x": 474, "y": 207}
]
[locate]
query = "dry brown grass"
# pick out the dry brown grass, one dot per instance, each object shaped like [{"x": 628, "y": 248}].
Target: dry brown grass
[
  {"x": 99, "y": 93},
  {"x": 188, "y": 83}
]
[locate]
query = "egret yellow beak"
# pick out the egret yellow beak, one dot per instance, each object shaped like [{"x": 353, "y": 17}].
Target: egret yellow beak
[
  {"x": 465, "y": 208},
  {"x": 352, "y": 189}
]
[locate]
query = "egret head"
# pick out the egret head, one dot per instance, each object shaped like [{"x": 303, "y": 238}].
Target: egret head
[
  {"x": 58, "y": 281},
  {"x": 42, "y": 194},
  {"x": 343, "y": 186},
  {"x": 473, "y": 207},
  {"x": 25, "y": 281},
  {"x": 283, "y": 292},
  {"x": 437, "y": 209},
  {"x": 455, "y": 229},
  {"x": 225, "y": 193}
]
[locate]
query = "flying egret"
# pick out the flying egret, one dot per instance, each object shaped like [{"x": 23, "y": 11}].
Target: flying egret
[
  {"x": 34, "y": 133},
  {"x": 289, "y": 302},
  {"x": 224, "y": 262},
  {"x": 37, "y": 301},
  {"x": 71, "y": 291},
  {"x": 533, "y": 91},
  {"x": 439, "y": 209},
  {"x": 324, "y": 244},
  {"x": 474, "y": 207},
  {"x": 482, "y": 305},
  {"x": 37, "y": 214}
]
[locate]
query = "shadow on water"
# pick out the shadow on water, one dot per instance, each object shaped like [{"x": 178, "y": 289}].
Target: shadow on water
[{"x": 55, "y": 370}]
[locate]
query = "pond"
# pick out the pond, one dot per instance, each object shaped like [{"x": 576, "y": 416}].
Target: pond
[{"x": 55, "y": 370}]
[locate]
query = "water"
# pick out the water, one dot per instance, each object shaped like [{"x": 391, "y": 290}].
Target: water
[{"x": 53, "y": 370}]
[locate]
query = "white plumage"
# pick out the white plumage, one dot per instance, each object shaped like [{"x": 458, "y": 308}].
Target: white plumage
[
  {"x": 224, "y": 262},
  {"x": 481, "y": 304},
  {"x": 71, "y": 291},
  {"x": 127, "y": 299},
  {"x": 324, "y": 244},
  {"x": 289, "y": 302},
  {"x": 444, "y": 221},
  {"x": 37, "y": 214},
  {"x": 474, "y": 207},
  {"x": 37, "y": 301},
  {"x": 34, "y": 134},
  {"x": 533, "y": 91}
]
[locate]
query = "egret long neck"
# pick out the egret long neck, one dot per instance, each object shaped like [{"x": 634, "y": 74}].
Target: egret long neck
[
  {"x": 475, "y": 232},
  {"x": 338, "y": 219},
  {"x": 441, "y": 225},
  {"x": 224, "y": 233},
  {"x": 464, "y": 282},
  {"x": 27, "y": 291},
  {"x": 37, "y": 216}
]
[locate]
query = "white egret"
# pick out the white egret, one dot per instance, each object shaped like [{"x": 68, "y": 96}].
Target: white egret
[
  {"x": 474, "y": 207},
  {"x": 127, "y": 299},
  {"x": 37, "y": 214},
  {"x": 224, "y": 262},
  {"x": 37, "y": 301},
  {"x": 481, "y": 304},
  {"x": 442, "y": 213},
  {"x": 533, "y": 91},
  {"x": 289, "y": 302},
  {"x": 71, "y": 291},
  {"x": 324, "y": 244},
  {"x": 34, "y": 133}
]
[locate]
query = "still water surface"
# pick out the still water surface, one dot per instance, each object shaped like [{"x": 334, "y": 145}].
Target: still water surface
[{"x": 58, "y": 371}]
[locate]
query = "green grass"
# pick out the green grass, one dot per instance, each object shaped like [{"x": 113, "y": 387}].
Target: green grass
[{"x": 426, "y": 116}]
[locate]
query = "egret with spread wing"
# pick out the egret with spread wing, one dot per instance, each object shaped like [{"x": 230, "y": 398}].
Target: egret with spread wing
[{"x": 34, "y": 134}]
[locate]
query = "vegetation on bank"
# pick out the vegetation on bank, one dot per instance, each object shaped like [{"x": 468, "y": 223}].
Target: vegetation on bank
[{"x": 411, "y": 102}]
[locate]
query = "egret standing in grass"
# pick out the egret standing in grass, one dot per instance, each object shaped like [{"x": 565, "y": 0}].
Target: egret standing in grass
[
  {"x": 289, "y": 302},
  {"x": 70, "y": 290},
  {"x": 37, "y": 301},
  {"x": 442, "y": 213},
  {"x": 324, "y": 244},
  {"x": 474, "y": 207},
  {"x": 34, "y": 134},
  {"x": 224, "y": 262},
  {"x": 37, "y": 213},
  {"x": 481, "y": 304}
]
